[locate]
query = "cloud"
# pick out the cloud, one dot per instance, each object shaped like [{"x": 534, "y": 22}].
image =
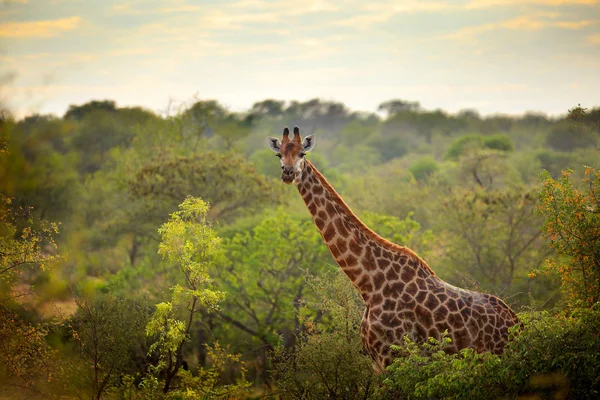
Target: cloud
[
  {"x": 594, "y": 39},
  {"x": 38, "y": 29},
  {"x": 375, "y": 13},
  {"x": 523, "y": 23},
  {"x": 475, "y": 4}
]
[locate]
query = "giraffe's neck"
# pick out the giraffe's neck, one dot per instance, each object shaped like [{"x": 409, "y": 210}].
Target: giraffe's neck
[{"x": 365, "y": 257}]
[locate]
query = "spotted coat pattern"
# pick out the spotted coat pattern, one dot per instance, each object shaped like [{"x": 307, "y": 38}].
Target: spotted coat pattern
[{"x": 402, "y": 295}]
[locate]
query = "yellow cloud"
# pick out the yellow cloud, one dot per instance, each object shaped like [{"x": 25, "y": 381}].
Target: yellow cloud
[
  {"x": 594, "y": 39},
  {"x": 521, "y": 23},
  {"x": 497, "y": 3},
  {"x": 38, "y": 29}
]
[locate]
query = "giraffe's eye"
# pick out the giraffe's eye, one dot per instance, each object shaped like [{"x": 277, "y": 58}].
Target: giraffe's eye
[{"x": 278, "y": 155}]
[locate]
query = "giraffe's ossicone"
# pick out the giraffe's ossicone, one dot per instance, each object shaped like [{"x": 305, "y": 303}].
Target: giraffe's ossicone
[{"x": 402, "y": 295}]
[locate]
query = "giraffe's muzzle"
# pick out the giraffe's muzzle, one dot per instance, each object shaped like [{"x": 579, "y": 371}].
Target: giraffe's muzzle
[{"x": 288, "y": 175}]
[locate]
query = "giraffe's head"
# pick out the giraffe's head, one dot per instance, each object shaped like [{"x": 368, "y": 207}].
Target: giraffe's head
[{"x": 291, "y": 152}]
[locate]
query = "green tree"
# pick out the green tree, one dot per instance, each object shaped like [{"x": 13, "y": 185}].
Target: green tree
[
  {"x": 26, "y": 248},
  {"x": 189, "y": 242},
  {"x": 107, "y": 331},
  {"x": 572, "y": 226},
  {"x": 327, "y": 360},
  {"x": 492, "y": 237},
  {"x": 265, "y": 267}
]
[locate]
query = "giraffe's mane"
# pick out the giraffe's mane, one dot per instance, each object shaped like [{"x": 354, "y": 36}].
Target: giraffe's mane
[{"x": 372, "y": 234}]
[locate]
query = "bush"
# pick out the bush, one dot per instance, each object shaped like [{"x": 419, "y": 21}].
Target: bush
[
  {"x": 499, "y": 142},
  {"x": 327, "y": 361},
  {"x": 572, "y": 227},
  {"x": 554, "y": 355},
  {"x": 424, "y": 167}
]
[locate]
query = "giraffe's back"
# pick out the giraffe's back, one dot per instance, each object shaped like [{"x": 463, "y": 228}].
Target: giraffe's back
[{"x": 428, "y": 306}]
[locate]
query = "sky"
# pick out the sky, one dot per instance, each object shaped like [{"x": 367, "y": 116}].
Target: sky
[{"x": 494, "y": 56}]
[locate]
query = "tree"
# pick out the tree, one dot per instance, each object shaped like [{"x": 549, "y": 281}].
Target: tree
[
  {"x": 107, "y": 331},
  {"x": 393, "y": 107},
  {"x": 189, "y": 242},
  {"x": 26, "y": 247},
  {"x": 327, "y": 360},
  {"x": 265, "y": 267},
  {"x": 572, "y": 226},
  {"x": 492, "y": 237}
]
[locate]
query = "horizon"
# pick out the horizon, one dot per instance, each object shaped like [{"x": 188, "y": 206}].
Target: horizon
[{"x": 498, "y": 57}]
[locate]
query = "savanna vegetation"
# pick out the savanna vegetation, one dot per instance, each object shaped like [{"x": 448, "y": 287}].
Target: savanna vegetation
[{"x": 150, "y": 255}]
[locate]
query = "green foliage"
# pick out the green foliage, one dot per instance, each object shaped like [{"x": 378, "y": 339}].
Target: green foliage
[
  {"x": 27, "y": 247},
  {"x": 108, "y": 331},
  {"x": 405, "y": 232},
  {"x": 554, "y": 355},
  {"x": 265, "y": 266},
  {"x": 499, "y": 142},
  {"x": 209, "y": 383},
  {"x": 463, "y": 145},
  {"x": 468, "y": 143},
  {"x": 424, "y": 167},
  {"x": 571, "y": 135},
  {"x": 327, "y": 359},
  {"x": 572, "y": 226},
  {"x": 225, "y": 180},
  {"x": 189, "y": 242},
  {"x": 492, "y": 237}
]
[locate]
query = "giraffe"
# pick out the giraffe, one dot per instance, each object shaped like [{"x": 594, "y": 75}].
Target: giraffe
[{"x": 402, "y": 294}]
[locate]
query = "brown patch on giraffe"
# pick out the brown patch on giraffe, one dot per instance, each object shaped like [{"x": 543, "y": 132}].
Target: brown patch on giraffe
[
  {"x": 355, "y": 247},
  {"x": 341, "y": 244},
  {"x": 389, "y": 305},
  {"x": 339, "y": 224},
  {"x": 442, "y": 326},
  {"x": 424, "y": 316},
  {"x": 390, "y": 275},
  {"x": 451, "y": 305},
  {"x": 376, "y": 299},
  {"x": 351, "y": 260},
  {"x": 420, "y": 333},
  {"x": 312, "y": 208},
  {"x": 323, "y": 215},
  {"x": 330, "y": 208},
  {"x": 334, "y": 251},
  {"x": 412, "y": 289},
  {"x": 377, "y": 251},
  {"x": 421, "y": 296},
  {"x": 440, "y": 313},
  {"x": 432, "y": 302},
  {"x": 329, "y": 232},
  {"x": 369, "y": 264},
  {"x": 407, "y": 275},
  {"x": 442, "y": 296},
  {"x": 378, "y": 280},
  {"x": 465, "y": 313},
  {"x": 353, "y": 273},
  {"x": 366, "y": 279},
  {"x": 308, "y": 197},
  {"x": 383, "y": 263},
  {"x": 318, "y": 190},
  {"x": 320, "y": 223}
]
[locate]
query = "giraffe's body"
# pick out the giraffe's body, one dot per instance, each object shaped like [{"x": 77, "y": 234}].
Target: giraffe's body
[{"x": 402, "y": 295}]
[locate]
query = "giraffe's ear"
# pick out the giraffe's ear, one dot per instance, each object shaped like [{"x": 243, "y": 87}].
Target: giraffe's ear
[
  {"x": 308, "y": 143},
  {"x": 274, "y": 144}
]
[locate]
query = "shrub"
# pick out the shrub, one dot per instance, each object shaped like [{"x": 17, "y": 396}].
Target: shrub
[
  {"x": 554, "y": 354},
  {"x": 573, "y": 228},
  {"x": 499, "y": 142},
  {"x": 424, "y": 167},
  {"x": 327, "y": 361}
]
